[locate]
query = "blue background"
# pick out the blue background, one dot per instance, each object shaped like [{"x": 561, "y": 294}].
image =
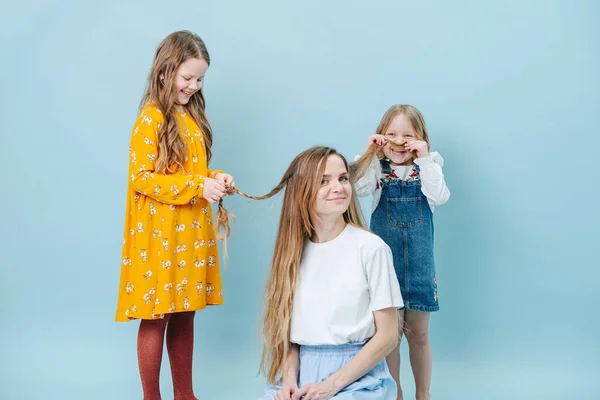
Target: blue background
[{"x": 510, "y": 92}]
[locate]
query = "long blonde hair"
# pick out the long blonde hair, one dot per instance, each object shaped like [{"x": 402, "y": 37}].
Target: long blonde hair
[
  {"x": 301, "y": 182},
  {"x": 360, "y": 166},
  {"x": 160, "y": 90}
]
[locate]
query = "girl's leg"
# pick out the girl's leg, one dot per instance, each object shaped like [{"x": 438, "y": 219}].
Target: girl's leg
[
  {"x": 417, "y": 334},
  {"x": 151, "y": 336},
  {"x": 393, "y": 359},
  {"x": 180, "y": 345}
]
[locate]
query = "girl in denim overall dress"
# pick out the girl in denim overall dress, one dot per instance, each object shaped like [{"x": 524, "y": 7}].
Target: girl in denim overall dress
[{"x": 406, "y": 182}]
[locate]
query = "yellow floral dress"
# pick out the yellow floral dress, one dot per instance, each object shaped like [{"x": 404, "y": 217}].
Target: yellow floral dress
[{"x": 170, "y": 261}]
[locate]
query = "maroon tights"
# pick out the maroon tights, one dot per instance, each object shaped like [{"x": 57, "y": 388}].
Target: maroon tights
[{"x": 180, "y": 346}]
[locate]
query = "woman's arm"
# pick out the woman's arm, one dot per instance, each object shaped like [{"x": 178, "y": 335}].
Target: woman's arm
[
  {"x": 291, "y": 366},
  {"x": 380, "y": 345}
]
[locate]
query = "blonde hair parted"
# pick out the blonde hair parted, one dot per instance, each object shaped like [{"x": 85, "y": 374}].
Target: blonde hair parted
[{"x": 301, "y": 181}]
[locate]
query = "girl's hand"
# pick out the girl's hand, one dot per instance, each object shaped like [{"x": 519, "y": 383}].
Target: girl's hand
[
  {"x": 213, "y": 190},
  {"x": 227, "y": 181},
  {"x": 378, "y": 140},
  {"x": 286, "y": 392},
  {"x": 316, "y": 391},
  {"x": 418, "y": 146}
]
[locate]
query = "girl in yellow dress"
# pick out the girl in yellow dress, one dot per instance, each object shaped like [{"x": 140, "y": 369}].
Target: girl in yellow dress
[{"x": 170, "y": 264}]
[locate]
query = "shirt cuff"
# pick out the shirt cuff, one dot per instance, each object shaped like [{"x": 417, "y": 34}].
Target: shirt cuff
[
  {"x": 433, "y": 157},
  {"x": 215, "y": 172}
]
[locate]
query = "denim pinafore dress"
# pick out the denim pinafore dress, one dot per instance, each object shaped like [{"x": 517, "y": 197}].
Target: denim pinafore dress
[{"x": 403, "y": 219}]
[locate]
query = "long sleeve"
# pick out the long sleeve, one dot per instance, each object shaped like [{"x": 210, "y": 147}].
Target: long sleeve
[
  {"x": 213, "y": 173},
  {"x": 433, "y": 184},
  {"x": 367, "y": 185},
  {"x": 178, "y": 188}
]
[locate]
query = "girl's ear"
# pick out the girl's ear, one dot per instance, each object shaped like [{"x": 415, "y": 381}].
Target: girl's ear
[{"x": 162, "y": 77}]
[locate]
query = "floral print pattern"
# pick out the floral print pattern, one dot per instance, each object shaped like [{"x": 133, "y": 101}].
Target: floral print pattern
[{"x": 169, "y": 241}]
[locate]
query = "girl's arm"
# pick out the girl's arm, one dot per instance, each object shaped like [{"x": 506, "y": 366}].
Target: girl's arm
[
  {"x": 366, "y": 185},
  {"x": 433, "y": 184},
  {"x": 175, "y": 188}
]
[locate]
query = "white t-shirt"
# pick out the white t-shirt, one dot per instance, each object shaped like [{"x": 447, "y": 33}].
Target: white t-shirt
[{"x": 340, "y": 283}]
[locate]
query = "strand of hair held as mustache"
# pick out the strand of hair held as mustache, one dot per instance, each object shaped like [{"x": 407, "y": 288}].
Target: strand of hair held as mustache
[
  {"x": 359, "y": 168},
  {"x": 356, "y": 171}
]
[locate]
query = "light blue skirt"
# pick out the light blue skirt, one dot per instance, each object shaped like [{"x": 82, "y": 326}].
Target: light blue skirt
[{"x": 317, "y": 363}]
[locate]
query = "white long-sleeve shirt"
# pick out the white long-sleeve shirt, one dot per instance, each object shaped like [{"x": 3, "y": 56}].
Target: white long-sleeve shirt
[{"x": 433, "y": 184}]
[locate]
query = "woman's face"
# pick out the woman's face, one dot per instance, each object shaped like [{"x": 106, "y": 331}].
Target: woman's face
[{"x": 335, "y": 193}]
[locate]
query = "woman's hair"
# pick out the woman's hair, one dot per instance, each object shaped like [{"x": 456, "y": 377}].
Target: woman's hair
[
  {"x": 360, "y": 166},
  {"x": 175, "y": 49},
  {"x": 301, "y": 181}
]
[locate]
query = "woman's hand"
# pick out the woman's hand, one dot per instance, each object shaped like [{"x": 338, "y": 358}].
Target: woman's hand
[
  {"x": 316, "y": 391},
  {"x": 287, "y": 391}
]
